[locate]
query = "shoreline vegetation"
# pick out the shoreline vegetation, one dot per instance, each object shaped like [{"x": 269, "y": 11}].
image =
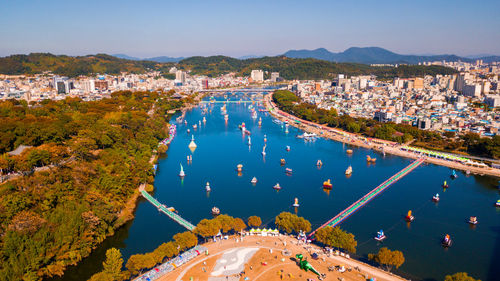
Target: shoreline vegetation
[
  {"x": 371, "y": 134},
  {"x": 54, "y": 218}
]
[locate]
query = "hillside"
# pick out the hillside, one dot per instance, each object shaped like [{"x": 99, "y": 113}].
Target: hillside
[
  {"x": 288, "y": 68},
  {"x": 71, "y": 66},
  {"x": 302, "y": 68},
  {"x": 376, "y": 55}
]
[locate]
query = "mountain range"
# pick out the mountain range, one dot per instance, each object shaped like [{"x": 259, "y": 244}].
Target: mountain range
[
  {"x": 365, "y": 55},
  {"x": 155, "y": 59},
  {"x": 376, "y": 55}
]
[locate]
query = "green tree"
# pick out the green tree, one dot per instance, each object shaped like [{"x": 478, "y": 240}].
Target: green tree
[
  {"x": 460, "y": 276},
  {"x": 113, "y": 264},
  {"x": 254, "y": 221},
  {"x": 186, "y": 240},
  {"x": 239, "y": 224},
  {"x": 207, "y": 228},
  {"x": 289, "y": 223},
  {"x": 226, "y": 222},
  {"x": 336, "y": 237},
  {"x": 388, "y": 258}
]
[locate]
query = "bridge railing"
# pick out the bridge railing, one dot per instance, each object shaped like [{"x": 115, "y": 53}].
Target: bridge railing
[{"x": 369, "y": 196}]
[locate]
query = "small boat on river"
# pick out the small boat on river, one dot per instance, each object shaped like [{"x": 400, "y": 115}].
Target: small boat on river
[
  {"x": 349, "y": 151},
  {"x": 454, "y": 174},
  {"x": 288, "y": 171},
  {"x": 282, "y": 162},
  {"x": 296, "y": 203},
  {"x": 277, "y": 186},
  {"x": 264, "y": 150},
  {"x": 435, "y": 198},
  {"x": 287, "y": 148},
  {"x": 207, "y": 187},
  {"x": 409, "y": 217},
  {"x": 254, "y": 180},
  {"x": 327, "y": 184},
  {"x": 446, "y": 242},
  {"x": 473, "y": 220},
  {"x": 348, "y": 171},
  {"x": 181, "y": 173},
  {"x": 319, "y": 163},
  {"x": 497, "y": 204},
  {"x": 215, "y": 211},
  {"x": 380, "y": 236},
  {"x": 445, "y": 185}
]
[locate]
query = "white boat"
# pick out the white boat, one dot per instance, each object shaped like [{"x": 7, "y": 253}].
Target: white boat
[
  {"x": 254, "y": 180},
  {"x": 192, "y": 144},
  {"x": 473, "y": 220},
  {"x": 287, "y": 148},
  {"x": 249, "y": 141},
  {"x": 226, "y": 117},
  {"x": 207, "y": 187},
  {"x": 181, "y": 173},
  {"x": 435, "y": 198},
  {"x": 348, "y": 171},
  {"x": 277, "y": 186},
  {"x": 296, "y": 203},
  {"x": 195, "y": 126},
  {"x": 204, "y": 119},
  {"x": 264, "y": 150},
  {"x": 380, "y": 236},
  {"x": 254, "y": 115}
]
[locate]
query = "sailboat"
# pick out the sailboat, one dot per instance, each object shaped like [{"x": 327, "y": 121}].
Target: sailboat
[
  {"x": 181, "y": 173},
  {"x": 254, "y": 180},
  {"x": 207, "y": 187},
  {"x": 192, "y": 144},
  {"x": 264, "y": 150}
]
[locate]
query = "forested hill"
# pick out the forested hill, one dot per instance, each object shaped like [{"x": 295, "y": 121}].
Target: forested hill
[
  {"x": 302, "y": 68},
  {"x": 54, "y": 218},
  {"x": 289, "y": 68},
  {"x": 72, "y": 66}
]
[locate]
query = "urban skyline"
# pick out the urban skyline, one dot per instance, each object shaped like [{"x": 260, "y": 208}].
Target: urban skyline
[{"x": 156, "y": 28}]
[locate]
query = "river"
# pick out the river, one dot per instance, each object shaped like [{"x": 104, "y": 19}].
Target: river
[{"x": 221, "y": 146}]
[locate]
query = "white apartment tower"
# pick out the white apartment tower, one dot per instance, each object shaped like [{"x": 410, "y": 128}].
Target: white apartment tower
[{"x": 257, "y": 75}]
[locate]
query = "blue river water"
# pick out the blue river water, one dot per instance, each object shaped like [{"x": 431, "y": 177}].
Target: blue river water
[{"x": 221, "y": 147}]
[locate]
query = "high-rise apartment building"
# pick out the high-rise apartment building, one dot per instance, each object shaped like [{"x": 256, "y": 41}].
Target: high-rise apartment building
[{"x": 257, "y": 75}]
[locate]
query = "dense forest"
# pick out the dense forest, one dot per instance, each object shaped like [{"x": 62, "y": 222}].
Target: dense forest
[
  {"x": 302, "y": 68},
  {"x": 470, "y": 143},
  {"x": 72, "y": 66},
  {"x": 288, "y": 68},
  {"x": 53, "y": 218}
]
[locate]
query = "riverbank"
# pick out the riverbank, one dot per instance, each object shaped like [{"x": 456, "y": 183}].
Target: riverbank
[
  {"x": 382, "y": 146},
  {"x": 273, "y": 255}
]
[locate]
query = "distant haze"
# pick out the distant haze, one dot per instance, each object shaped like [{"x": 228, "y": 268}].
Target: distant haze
[{"x": 148, "y": 29}]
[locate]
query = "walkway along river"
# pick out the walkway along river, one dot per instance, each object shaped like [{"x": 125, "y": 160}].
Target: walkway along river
[{"x": 221, "y": 146}]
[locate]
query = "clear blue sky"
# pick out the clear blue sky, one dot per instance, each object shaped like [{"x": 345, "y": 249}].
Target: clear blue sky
[{"x": 207, "y": 27}]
